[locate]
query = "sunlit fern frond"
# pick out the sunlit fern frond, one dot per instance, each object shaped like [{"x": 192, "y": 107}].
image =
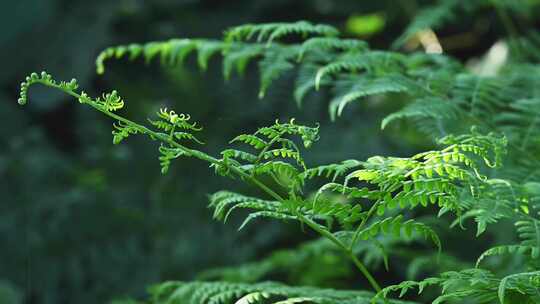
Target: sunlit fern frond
[{"x": 478, "y": 285}]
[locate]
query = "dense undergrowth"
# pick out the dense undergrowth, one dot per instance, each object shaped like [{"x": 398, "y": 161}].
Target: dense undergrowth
[{"x": 484, "y": 168}]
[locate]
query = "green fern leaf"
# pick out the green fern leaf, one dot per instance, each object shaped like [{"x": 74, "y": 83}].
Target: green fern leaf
[{"x": 272, "y": 31}]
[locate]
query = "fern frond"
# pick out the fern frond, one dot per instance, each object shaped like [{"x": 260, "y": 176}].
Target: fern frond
[
  {"x": 110, "y": 101},
  {"x": 283, "y": 173},
  {"x": 251, "y": 140},
  {"x": 122, "y": 131},
  {"x": 331, "y": 44},
  {"x": 345, "y": 214},
  {"x": 526, "y": 284},
  {"x": 275, "y": 148},
  {"x": 169, "y": 148},
  {"x": 478, "y": 285},
  {"x": 348, "y": 192},
  {"x": 238, "y": 57},
  {"x": 529, "y": 233},
  {"x": 237, "y": 154},
  {"x": 309, "y": 135},
  {"x": 376, "y": 62},
  {"x": 45, "y": 79},
  {"x": 171, "y": 52},
  {"x": 483, "y": 95},
  {"x": 365, "y": 86},
  {"x": 267, "y": 214},
  {"x": 491, "y": 148},
  {"x": 274, "y": 64},
  {"x": 180, "y": 121},
  {"x": 252, "y": 298},
  {"x": 224, "y": 292},
  {"x": 166, "y": 155},
  {"x": 349, "y": 62},
  {"x": 396, "y": 226},
  {"x": 224, "y": 201},
  {"x": 438, "y": 109},
  {"x": 332, "y": 170},
  {"x": 435, "y": 177},
  {"x": 521, "y": 122},
  {"x": 206, "y": 50},
  {"x": 273, "y": 31},
  {"x": 508, "y": 250},
  {"x": 305, "y": 82},
  {"x": 283, "y": 153}
]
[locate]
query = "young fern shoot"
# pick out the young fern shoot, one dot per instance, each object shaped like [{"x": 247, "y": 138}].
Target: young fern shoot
[{"x": 170, "y": 148}]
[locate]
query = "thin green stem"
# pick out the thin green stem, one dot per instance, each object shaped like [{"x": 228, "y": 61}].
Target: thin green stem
[
  {"x": 313, "y": 225},
  {"x": 365, "y": 272},
  {"x": 363, "y": 222},
  {"x": 207, "y": 158}
]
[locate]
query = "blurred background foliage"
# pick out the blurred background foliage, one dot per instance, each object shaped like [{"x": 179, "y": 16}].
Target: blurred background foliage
[{"x": 83, "y": 221}]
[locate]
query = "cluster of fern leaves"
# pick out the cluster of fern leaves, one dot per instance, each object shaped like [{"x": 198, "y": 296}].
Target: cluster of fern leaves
[{"x": 486, "y": 167}]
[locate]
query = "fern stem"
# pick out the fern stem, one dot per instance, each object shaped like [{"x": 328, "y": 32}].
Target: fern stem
[
  {"x": 363, "y": 222},
  {"x": 166, "y": 138},
  {"x": 316, "y": 227},
  {"x": 364, "y": 271}
]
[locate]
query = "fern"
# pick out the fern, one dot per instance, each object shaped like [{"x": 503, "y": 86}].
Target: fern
[
  {"x": 122, "y": 131},
  {"x": 436, "y": 109},
  {"x": 358, "y": 88},
  {"x": 479, "y": 285},
  {"x": 323, "y": 61},
  {"x": 272, "y": 66},
  {"x": 273, "y": 31},
  {"x": 361, "y": 209},
  {"x": 433, "y": 176},
  {"x": 332, "y": 170},
  {"x": 509, "y": 249},
  {"x": 224, "y": 292},
  {"x": 529, "y": 232},
  {"x": 376, "y": 62},
  {"x": 331, "y": 44},
  {"x": 172, "y": 52},
  {"x": 271, "y": 143},
  {"x": 238, "y": 58},
  {"x": 395, "y": 226}
]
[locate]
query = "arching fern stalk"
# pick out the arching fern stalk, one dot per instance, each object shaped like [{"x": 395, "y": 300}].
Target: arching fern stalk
[
  {"x": 436, "y": 177},
  {"x": 271, "y": 160}
]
